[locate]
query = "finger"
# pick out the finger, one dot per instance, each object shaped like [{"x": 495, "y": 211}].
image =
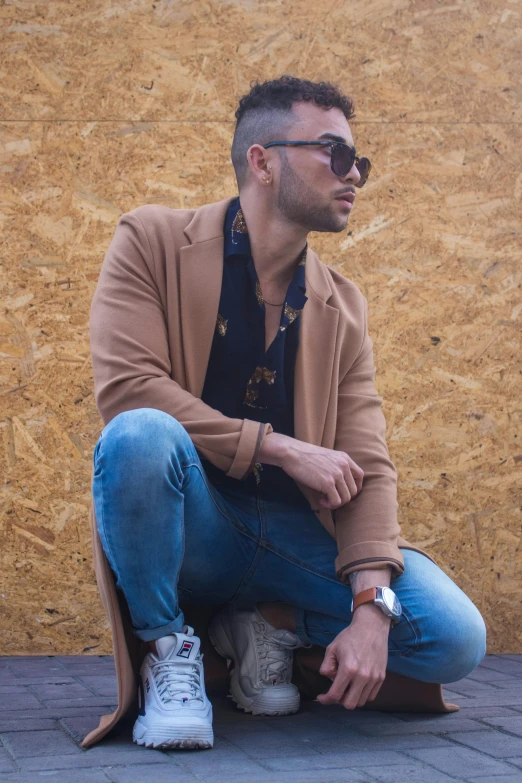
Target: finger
[
  {"x": 323, "y": 500},
  {"x": 365, "y": 693},
  {"x": 344, "y": 482},
  {"x": 332, "y": 494},
  {"x": 348, "y": 475},
  {"x": 357, "y": 473},
  {"x": 351, "y": 698},
  {"x": 375, "y": 690},
  {"x": 343, "y": 490},
  {"x": 350, "y": 483},
  {"x": 359, "y": 478},
  {"x": 343, "y": 479},
  {"x": 329, "y": 665},
  {"x": 338, "y": 687}
]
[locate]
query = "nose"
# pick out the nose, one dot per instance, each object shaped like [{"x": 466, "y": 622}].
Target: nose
[{"x": 352, "y": 176}]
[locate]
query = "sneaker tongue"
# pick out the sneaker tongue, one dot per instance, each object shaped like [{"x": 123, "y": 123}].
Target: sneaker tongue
[
  {"x": 285, "y": 638},
  {"x": 178, "y": 646}
]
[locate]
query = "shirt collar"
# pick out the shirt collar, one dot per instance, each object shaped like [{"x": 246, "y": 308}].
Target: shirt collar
[{"x": 237, "y": 242}]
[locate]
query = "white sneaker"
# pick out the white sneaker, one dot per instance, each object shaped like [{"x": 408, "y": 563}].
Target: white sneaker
[
  {"x": 262, "y": 661},
  {"x": 174, "y": 711}
]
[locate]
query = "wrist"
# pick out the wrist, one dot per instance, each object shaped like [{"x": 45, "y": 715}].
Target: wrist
[
  {"x": 370, "y": 614},
  {"x": 274, "y": 449},
  {"x": 381, "y": 598},
  {"x": 369, "y": 577}
]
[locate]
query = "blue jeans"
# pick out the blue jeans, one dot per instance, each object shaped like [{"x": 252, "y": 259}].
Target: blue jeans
[{"x": 169, "y": 535}]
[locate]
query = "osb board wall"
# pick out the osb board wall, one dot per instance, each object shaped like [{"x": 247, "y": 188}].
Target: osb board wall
[{"x": 106, "y": 106}]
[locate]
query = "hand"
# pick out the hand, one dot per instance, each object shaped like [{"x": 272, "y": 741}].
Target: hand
[
  {"x": 356, "y": 659},
  {"x": 333, "y": 473}
]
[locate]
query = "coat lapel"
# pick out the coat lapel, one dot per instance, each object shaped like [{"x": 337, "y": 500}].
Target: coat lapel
[
  {"x": 201, "y": 273},
  {"x": 315, "y": 355}
]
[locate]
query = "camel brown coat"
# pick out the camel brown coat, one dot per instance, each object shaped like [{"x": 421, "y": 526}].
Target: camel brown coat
[{"x": 152, "y": 322}]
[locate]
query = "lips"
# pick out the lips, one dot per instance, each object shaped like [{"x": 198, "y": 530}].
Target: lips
[
  {"x": 346, "y": 204},
  {"x": 346, "y": 197}
]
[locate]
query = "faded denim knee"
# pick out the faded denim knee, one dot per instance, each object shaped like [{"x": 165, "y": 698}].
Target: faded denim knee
[
  {"x": 145, "y": 443},
  {"x": 462, "y": 645}
]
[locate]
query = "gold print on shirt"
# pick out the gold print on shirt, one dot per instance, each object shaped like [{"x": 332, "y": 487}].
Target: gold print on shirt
[
  {"x": 290, "y": 313},
  {"x": 239, "y": 223},
  {"x": 256, "y": 470},
  {"x": 260, "y": 374},
  {"x": 221, "y": 325}
]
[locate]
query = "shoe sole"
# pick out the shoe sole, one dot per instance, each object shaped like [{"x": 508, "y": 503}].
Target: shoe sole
[
  {"x": 256, "y": 710},
  {"x": 255, "y": 706},
  {"x": 173, "y": 737}
]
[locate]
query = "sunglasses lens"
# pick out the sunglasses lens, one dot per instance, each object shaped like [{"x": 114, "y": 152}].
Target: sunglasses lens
[
  {"x": 342, "y": 159},
  {"x": 363, "y": 167}
]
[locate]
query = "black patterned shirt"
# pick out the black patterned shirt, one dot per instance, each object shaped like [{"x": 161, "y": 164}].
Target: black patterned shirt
[{"x": 243, "y": 380}]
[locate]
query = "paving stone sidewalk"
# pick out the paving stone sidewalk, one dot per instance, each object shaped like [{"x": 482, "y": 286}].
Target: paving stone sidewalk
[{"x": 48, "y": 704}]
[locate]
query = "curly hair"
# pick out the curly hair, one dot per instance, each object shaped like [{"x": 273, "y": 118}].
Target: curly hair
[{"x": 265, "y": 113}]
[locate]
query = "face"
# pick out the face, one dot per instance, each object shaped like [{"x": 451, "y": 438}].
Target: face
[{"x": 309, "y": 191}]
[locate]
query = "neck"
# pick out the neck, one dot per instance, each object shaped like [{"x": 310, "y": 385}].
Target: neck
[{"x": 276, "y": 243}]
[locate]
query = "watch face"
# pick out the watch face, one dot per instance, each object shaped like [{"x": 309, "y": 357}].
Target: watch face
[{"x": 391, "y": 601}]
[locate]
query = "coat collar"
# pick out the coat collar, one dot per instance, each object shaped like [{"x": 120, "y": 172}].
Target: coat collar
[
  {"x": 201, "y": 272},
  {"x": 207, "y": 224}
]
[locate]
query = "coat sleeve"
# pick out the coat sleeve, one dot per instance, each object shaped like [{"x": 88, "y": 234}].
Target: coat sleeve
[
  {"x": 131, "y": 361},
  {"x": 366, "y": 527}
]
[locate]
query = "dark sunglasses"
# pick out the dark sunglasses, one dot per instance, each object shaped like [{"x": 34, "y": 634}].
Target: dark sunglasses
[{"x": 342, "y": 157}]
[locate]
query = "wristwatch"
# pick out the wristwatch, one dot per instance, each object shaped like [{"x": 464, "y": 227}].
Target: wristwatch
[{"x": 384, "y": 598}]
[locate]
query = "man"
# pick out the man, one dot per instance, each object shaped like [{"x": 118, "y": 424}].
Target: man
[{"x": 243, "y": 463}]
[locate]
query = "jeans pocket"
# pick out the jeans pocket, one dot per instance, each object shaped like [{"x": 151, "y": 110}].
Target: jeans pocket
[
  {"x": 95, "y": 458},
  {"x": 405, "y": 637}
]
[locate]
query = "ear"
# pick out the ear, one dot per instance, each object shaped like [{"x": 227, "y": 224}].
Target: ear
[{"x": 258, "y": 163}]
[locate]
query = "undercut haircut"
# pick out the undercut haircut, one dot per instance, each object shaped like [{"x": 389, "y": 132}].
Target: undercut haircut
[{"x": 265, "y": 114}]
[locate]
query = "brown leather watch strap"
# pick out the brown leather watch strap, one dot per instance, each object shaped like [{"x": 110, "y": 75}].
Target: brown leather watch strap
[{"x": 364, "y": 597}]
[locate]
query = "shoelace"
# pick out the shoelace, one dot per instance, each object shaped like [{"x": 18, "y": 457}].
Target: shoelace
[
  {"x": 275, "y": 654},
  {"x": 178, "y": 681}
]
